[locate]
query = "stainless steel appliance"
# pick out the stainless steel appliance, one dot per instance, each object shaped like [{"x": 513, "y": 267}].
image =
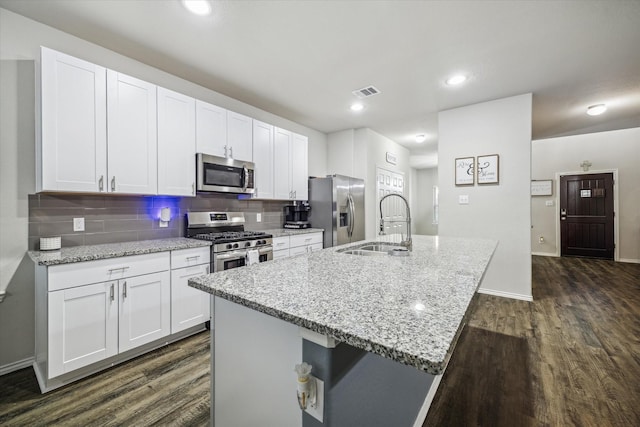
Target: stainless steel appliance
[
  {"x": 232, "y": 246},
  {"x": 337, "y": 205},
  {"x": 224, "y": 175},
  {"x": 297, "y": 215}
]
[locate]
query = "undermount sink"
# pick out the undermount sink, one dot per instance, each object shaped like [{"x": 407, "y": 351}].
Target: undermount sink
[{"x": 374, "y": 249}]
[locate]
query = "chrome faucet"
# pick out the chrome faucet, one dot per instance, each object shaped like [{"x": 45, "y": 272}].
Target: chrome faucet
[{"x": 407, "y": 243}]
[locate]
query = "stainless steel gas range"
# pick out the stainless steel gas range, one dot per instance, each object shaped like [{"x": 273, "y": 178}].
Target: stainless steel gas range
[{"x": 232, "y": 246}]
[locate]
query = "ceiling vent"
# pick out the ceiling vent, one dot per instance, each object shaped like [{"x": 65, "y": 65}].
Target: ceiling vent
[{"x": 366, "y": 92}]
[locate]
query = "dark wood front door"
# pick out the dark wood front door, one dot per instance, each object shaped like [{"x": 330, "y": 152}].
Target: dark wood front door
[{"x": 586, "y": 215}]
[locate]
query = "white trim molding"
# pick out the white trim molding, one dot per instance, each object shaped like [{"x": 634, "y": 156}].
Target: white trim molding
[
  {"x": 505, "y": 294},
  {"x": 629, "y": 260},
  {"x": 16, "y": 366},
  {"x": 552, "y": 254}
]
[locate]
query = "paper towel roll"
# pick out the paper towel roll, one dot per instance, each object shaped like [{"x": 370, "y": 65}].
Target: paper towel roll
[{"x": 253, "y": 257}]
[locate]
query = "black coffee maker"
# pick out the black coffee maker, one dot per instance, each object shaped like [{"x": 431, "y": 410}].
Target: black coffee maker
[{"x": 297, "y": 215}]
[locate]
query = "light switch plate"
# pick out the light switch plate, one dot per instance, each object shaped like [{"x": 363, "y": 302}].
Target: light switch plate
[
  {"x": 258, "y": 217},
  {"x": 548, "y": 203},
  {"x": 463, "y": 199},
  {"x": 78, "y": 224}
]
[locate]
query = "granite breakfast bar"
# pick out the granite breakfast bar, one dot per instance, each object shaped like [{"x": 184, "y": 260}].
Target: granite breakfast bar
[{"x": 378, "y": 330}]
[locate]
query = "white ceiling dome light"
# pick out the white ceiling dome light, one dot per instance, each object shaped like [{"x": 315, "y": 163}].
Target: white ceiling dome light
[
  {"x": 596, "y": 110},
  {"x": 357, "y": 106},
  {"x": 198, "y": 7},
  {"x": 421, "y": 138}
]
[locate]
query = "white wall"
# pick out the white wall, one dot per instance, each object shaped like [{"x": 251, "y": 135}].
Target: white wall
[
  {"x": 20, "y": 40},
  {"x": 619, "y": 150},
  {"x": 423, "y": 201},
  {"x": 503, "y": 211},
  {"x": 340, "y": 153}
]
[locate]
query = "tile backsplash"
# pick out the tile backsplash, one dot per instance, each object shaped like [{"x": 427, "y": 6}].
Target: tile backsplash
[{"x": 112, "y": 219}]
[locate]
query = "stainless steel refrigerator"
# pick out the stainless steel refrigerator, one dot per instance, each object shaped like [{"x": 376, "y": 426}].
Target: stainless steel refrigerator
[{"x": 337, "y": 205}]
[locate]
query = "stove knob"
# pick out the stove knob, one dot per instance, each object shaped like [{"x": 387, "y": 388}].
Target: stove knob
[
  {"x": 235, "y": 245},
  {"x": 229, "y": 246},
  {"x": 247, "y": 244},
  {"x": 262, "y": 242}
]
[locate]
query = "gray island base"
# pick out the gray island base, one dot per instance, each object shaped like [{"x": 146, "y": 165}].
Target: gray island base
[{"x": 378, "y": 330}]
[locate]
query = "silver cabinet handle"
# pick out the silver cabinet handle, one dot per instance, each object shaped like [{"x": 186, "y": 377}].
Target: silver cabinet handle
[
  {"x": 111, "y": 293},
  {"x": 295, "y": 194},
  {"x": 111, "y": 270},
  {"x": 193, "y": 188},
  {"x": 207, "y": 269},
  {"x": 124, "y": 290},
  {"x": 101, "y": 183},
  {"x": 225, "y": 151},
  {"x": 231, "y": 152},
  {"x": 113, "y": 183},
  {"x": 193, "y": 257}
]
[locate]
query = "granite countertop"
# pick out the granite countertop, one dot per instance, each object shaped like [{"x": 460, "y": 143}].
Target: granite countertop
[
  {"x": 113, "y": 250},
  {"x": 283, "y": 232},
  {"x": 408, "y": 309}
]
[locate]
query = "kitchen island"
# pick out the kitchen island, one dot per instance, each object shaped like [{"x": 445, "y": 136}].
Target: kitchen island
[{"x": 379, "y": 331}]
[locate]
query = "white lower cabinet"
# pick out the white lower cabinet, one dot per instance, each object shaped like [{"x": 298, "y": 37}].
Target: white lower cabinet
[
  {"x": 287, "y": 246},
  {"x": 83, "y": 326},
  {"x": 189, "y": 306},
  {"x": 91, "y": 315},
  {"x": 145, "y": 310}
]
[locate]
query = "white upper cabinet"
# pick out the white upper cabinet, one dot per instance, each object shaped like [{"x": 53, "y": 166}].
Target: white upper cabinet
[
  {"x": 211, "y": 129},
  {"x": 176, "y": 143},
  {"x": 282, "y": 164},
  {"x": 71, "y": 154},
  {"x": 132, "y": 136},
  {"x": 299, "y": 167},
  {"x": 239, "y": 137},
  {"x": 263, "y": 159}
]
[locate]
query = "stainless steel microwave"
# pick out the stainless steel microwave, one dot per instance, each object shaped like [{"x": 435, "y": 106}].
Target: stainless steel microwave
[{"x": 224, "y": 175}]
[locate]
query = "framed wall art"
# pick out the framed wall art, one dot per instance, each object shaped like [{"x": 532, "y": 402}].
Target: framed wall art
[
  {"x": 488, "y": 169},
  {"x": 464, "y": 171},
  {"x": 542, "y": 187}
]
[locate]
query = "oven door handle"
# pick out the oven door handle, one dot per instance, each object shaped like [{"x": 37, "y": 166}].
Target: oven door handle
[
  {"x": 265, "y": 250},
  {"x": 230, "y": 255}
]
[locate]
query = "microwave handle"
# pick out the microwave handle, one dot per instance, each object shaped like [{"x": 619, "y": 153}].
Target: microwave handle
[{"x": 245, "y": 178}]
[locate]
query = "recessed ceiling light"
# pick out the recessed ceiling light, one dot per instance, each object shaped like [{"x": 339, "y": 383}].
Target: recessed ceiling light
[
  {"x": 357, "y": 106},
  {"x": 456, "y": 80},
  {"x": 596, "y": 110},
  {"x": 421, "y": 138},
  {"x": 198, "y": 7}
]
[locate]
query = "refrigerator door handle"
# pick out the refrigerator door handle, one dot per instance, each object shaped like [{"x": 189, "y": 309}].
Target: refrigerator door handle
[{"x": 352, "y": 214}]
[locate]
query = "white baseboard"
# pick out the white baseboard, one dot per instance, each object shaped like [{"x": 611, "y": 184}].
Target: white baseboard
[
  {"x": 545, "y": 254},
  {"x": 505, "y": 294},
  {"x": 630, "y": 260},
  {"x": 16, "y": 366}
]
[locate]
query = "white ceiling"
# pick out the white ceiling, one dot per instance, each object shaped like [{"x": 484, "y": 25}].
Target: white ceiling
[{"x": 302, "y": 59}]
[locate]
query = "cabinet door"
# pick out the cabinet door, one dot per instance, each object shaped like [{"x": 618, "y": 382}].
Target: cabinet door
[
  {"x": 281, "y": 164},
  {"x": 72, "y": 155},
  {"x": 263, "y": 159},
  {"x": 145, "y": 305},
  {"x": 132, "y": 135},
  {"x": 240, "y": 136},
  {"x": 83, "y": 326},
  {"x": 299, "y": 167},
  {"x": 189, "y": 306},
  {"x": 176, "y": 144},
  {"x": 211, "y": 129}
]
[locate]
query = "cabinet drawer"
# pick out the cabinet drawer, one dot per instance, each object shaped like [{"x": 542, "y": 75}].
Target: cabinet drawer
[
  {"x": 281, "y": 254},
  {"x": 305, "y": 239},
  {"x": 315, "y": 247},
  {"x": 298, "y": 250},
  {"x": 280, "y": 243},
  {"x": 188, "y": 257},
  {"x": 83, "y": 273}
]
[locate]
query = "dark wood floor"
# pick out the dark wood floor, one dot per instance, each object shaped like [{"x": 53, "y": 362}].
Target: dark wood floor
[{"x": 570, "y": 358}]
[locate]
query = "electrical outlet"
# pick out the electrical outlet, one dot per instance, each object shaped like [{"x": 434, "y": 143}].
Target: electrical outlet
[
  {"x": 258, "y": 217},
  {"x": 78, "y": 224},
  {"x": 317, "y": 410}
]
